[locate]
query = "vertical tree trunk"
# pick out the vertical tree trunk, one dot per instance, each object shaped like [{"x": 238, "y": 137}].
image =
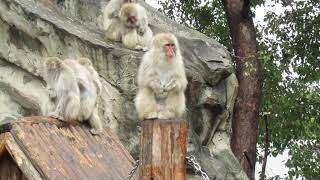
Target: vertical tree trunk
[
  {"x": 266, "y": 147},
  {"x": 248, "y": 71}
]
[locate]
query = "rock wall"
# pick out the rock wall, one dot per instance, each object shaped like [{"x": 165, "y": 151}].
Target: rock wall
[{"x": 33, "y": 29}]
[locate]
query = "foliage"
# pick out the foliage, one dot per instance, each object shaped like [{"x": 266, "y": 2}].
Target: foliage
[
  {"x": 289, "y": 47},
  {"x": 202, "y": 15}
]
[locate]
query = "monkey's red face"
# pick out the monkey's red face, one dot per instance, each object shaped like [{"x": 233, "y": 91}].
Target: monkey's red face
[
  {"x": 132, "y": 19},
  {"x": 170, "y": 49}
]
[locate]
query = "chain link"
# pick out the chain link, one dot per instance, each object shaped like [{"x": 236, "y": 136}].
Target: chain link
[
  {"x": 193, "y": 163},
  {"x": 134, "y": 168}
]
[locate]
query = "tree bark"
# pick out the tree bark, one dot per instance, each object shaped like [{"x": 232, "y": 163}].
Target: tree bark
[
  {"x": 248, "y": 71},
  {"x": 266, "y": 147}
]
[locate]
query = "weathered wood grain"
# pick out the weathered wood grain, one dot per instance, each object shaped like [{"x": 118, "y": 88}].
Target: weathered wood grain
[
  {"x": 60, "y": 151},
  {"x": 163, "y": 150},
  {"x": 21, "y": 159}
]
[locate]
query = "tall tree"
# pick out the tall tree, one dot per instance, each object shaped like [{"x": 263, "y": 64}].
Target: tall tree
[
  {"x": 248, "y": 71},
  {"x": 289, "y": 47}
]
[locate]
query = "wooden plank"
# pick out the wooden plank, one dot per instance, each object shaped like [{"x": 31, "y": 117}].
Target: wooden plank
[
  {"x": 61, "y": 151},
  {"x": 21, "y": 159},
  {"x": 163, "y": 150},
  {"x": 9, "y": 170},
  {"x": 3, "y": 141},
  {"x": 45, "y": 119}
]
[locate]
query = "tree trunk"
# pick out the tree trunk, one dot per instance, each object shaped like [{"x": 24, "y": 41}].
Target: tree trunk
[
  {"x": 266, "y": 147},
  {"x": 248, "y": 71}
]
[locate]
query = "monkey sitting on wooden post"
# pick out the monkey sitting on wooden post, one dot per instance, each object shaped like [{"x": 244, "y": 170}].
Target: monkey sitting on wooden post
[
  {"x": 76, "y": 85},
  {"x": 161, "y": 80}
]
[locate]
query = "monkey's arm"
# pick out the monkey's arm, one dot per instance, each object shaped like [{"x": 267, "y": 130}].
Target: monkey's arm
[
  {"x": 96, "y": 79},
  {"x": 98, "y": 86},
  {"x": 142, "y": 25},
  {"x": 95, "y": 122},
  {"x": 113, "y": 14},
  {"x": 57, "y": 113},
  {"x": 52, "y": 92},
  {"x": 149, "y": 80},
  {"x": 176, "y": 84},
  {"x": 110, "y": 12},
  {"x": 153, "y": 83}
]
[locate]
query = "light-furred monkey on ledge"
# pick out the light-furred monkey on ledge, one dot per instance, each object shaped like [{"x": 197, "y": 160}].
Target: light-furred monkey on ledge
[
  {"x": 76, "y": 86},
  {"x": 62, "y": 83},
  {"x": 135, "y": 32},
  {"x": 161, "y": 80},
  {"x": 90, "y": 87},
  {"x": 111, "y": 21}
]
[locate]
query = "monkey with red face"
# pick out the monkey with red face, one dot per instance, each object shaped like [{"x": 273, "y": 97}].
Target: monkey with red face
[
  {"x": 135, "y": 32},
  {"x": 161, "y": 80},
  {"x": 111, "y": 21}
]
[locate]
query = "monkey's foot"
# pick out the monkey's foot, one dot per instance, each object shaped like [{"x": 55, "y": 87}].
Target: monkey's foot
[
  {"x": 57, "y": 117},
  {"x": 152, "y": 115},
  {"x": 144, "y": 49},
  {"x": 95, "y": 131},
  {"x": 166, "y": 115},
  {"x": 138, "y": 47}
]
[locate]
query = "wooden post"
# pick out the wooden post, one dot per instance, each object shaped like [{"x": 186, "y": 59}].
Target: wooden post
[{"x": 163, "y": 150}]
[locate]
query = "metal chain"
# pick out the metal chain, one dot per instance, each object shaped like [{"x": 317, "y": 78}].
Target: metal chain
[
  {"x": 134, "y": 168},
  {"x": 193, "y": 163}
]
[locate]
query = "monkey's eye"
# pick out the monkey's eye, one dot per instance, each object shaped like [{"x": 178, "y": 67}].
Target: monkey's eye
[{"x": 170, "y": 44}]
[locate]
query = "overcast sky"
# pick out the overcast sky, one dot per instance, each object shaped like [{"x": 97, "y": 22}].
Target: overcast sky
[{"x": 275, "y": 166}]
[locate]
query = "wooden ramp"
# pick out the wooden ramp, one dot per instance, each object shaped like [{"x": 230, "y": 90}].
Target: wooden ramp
[{"x": 44, "y": 148}]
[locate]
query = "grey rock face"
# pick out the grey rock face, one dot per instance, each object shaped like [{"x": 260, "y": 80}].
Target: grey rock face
[{"x": 31, "y": 30}]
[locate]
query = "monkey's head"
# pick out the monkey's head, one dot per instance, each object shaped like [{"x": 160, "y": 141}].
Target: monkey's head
[
  {"x": 52, "y": 64},
  {"x": 167, "y": 43},
  {"x": 129, "y": 14},
  {"x": 85, "y": 61}
]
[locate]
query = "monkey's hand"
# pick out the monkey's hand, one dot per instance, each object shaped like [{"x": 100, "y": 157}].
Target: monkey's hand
[
  {"x": 162, "y": 95},
  {"x": 95, "y": 131},
  {"x": 172, "y": 84},
  {"x": 155, "y": 86},
  {"x": 56, "y": 116},
  {"x": 141, "y": 31},
  {"x": 114, "y": 14},
  {"x": 52, "y": 93}
]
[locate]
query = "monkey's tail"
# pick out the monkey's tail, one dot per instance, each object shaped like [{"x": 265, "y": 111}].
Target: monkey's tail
[{"x": 72, "y": 108}]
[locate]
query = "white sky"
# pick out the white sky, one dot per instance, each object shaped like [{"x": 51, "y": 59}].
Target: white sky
[{"x": 275, "y": 166}]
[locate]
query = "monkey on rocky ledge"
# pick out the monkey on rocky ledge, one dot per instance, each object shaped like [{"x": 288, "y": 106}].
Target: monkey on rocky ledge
[
  {"x": 76, "y": 85},
  {"x": 111, "y": 21},
  {"x": 61, "y": 79}
]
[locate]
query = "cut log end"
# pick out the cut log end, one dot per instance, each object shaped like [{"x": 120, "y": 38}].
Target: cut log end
[{"x": 163, "y": 149}]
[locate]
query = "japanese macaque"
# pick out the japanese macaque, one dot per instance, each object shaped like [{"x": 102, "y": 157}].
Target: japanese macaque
[
  {"x": 61, "y": 79},
  {"x": 135, "y": 33},
  {"x": 161, "y": 80},
  {"x": 87, "y": 82},
  {"x": 87, "y": 64},
  {"x": 111, "y": 21}
]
